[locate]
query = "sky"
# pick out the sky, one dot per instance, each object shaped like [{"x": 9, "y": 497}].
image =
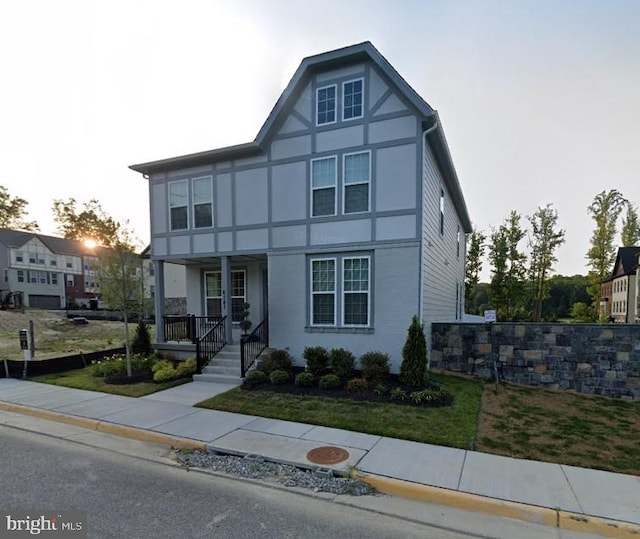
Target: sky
[{"x": 539, "y": 100}]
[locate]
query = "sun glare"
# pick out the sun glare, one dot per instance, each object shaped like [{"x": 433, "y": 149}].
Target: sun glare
[{"x": 90, "y": 244}]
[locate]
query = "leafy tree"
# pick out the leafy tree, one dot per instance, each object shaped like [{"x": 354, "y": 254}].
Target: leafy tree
[
  {"x": 508, "y": 268},
  {"x": 89, "y": 223},
  {"x": 580, "y": 312},
  {"x": 473, "y": 266},
  {"x": 631, "y": 227},
  {"x": 414, "y": 355},
  {"x": 120, "y": 284},
  {"x": 564, "y": 291},
  {"x": 604, "y": 210},
  {"x": 12, "y": 212},
  {"x": 544, "y": 239}
]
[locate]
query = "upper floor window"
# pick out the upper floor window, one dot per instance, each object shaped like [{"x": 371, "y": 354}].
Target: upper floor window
[
  {"x": 69, "y": 263},
  {"x": 323, "y": 186},
  {"x": 458, "y": 242},
  {"x": 352, "y": 99},
  {"x": 19, "y": 256},
  {"x": 441, "y": 211},
  {"x": 21, "y": 276},
  {"x": 356, "y": 182},
  {"x": 178, "y": 205},
  {"x": 202, "y": 200},
  {"x": 326, "y": 105},
  {"x": 32, "y": 258}
]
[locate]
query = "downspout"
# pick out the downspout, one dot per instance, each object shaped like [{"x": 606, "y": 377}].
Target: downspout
[{"x": 425, "y": 134}]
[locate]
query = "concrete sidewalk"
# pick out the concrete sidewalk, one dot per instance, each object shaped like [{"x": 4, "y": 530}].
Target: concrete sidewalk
[{"x": 565, "y": 496}]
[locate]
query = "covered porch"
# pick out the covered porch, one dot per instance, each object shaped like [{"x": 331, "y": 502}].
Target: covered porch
[{"x": 226, "y": 305}]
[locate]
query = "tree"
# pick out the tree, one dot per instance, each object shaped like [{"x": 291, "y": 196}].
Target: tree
[
  {"x": 13, "y": 211},
  {"x": 414, "y": 355},
  {"x": 120, "y": 284},
  {"x": 89, "y": 223},
  {"x": 544, "y": 239},
  {"x": 564, "y": 291},
  {"x": 631, "y": 227},
  {"x": 508, "y": 268},
  {"x": 604, "y": 210},
  {"x": 473, "y": 266}
]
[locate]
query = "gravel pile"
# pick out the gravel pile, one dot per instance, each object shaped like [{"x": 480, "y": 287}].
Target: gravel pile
[{"x": 254, "y": 467}]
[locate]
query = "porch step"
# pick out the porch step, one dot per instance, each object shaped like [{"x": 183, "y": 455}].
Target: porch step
[
  {"x": 233, "y": 370},
  {"x": 217, "y": 378}
]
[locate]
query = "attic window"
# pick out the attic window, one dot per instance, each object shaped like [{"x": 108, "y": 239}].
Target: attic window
[
  {"x": 326, "y": 105},
  {"x": 352, "y": 99}
]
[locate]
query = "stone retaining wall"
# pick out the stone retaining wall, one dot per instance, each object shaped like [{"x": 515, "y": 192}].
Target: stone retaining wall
[{"x": 603, "y": 359}]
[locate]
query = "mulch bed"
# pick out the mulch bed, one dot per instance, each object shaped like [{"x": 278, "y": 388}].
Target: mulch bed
[
  {"x": 441, "y": 399},
  {"x": 123, "y": 379}
]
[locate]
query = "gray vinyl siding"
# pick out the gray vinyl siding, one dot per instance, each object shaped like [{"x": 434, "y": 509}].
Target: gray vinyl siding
[
  {"x": 442, "y": 267},
  {"x": 394, "y": 300}
]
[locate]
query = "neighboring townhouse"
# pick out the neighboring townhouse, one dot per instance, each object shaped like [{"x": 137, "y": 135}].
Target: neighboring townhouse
[
  {"x": 624, "y": 287},
  {"x": 340, "y": 221},
  {"x": 49, "y": 272}
]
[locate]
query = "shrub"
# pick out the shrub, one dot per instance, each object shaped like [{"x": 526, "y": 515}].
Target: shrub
[
  {"x": 380, "y": 389},
  {"x": 305, "y": 379},
  {"x": 279, "y": 377},
  {"x": 141, "y": 343},
  {"x": 164, "y": 374},
  {"x": 166, "y": 370},
  {"x": 342, "y": 362},
  {"x": 142, "y": 363},
  {"x": 414, "y": 356},
  {"x": 255, "y": 378},
  {"x": 277, "y": 360},
  {"x": 357, "y": 385},
  {"x": 426, "y": 395},
  {"x": 398, "y": 394},
  {"x": 329, "y": 381},
  {"x": 375, "y": 365},
  {"x": 186, "y": 368},
  {"x": 317, "y": 359},
  {"x": 108, "y": 367}
]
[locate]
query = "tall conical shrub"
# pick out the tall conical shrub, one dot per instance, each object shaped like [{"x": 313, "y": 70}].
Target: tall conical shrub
[
  {"x": 414, "y": 356},
  {"x": 142, "y": 340}
]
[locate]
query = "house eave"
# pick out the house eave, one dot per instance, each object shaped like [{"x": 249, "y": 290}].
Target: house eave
[{"x": 249, "y": 149}]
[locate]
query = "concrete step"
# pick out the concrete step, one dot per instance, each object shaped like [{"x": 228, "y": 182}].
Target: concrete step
[
  {"x": 217, "y": 379},
  {"x": 215, "y": 369},
  {"x": 224, "y": 362}
]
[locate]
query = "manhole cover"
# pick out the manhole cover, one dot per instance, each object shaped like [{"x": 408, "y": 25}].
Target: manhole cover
[{"x": 327, "y": 455}]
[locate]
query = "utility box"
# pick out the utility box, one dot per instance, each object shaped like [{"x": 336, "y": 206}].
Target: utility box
[{"x": 24, "y": 339}]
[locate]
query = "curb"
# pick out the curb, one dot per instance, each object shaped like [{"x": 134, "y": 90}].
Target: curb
[
  {"x": 106, "y": 427},
  {"x": 501, "y": 508}
]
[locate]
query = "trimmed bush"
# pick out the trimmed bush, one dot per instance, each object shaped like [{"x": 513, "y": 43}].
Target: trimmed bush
[
  {"x": 255, "y": 378},
  {"x": 342, "y": 362},
  {"x": 305, "y": 379},
  {"x": 279, "y": 377},
  {"x": 317, "y": 359},
  {"x": 277, "y": 360},
  {"x": 414, "y": 356},
  {"x": 329, "y": 381},
  {"x": 375, "y": 365},
  {"x": 165, "y": 374},
  {"x": 186, "y": 368},
  {"x": 141, "y": 343},
  {"x": 357, "y": 385}
]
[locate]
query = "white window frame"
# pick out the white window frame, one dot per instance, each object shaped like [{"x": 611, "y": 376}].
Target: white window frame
[
  {"x": 194, "y": 204},
  {"x": 19, "y": 256},
  {"x": 343, "y": 293},
  {"x": 345, "y": 185},
  {"x": 231, "y": 296},
  {"x": 335, "y": 186},
  {"x": 21, "y": 276},
  {"x": 361, "y": 79},
  {"x": 335, "y": 108},
  {"x": 324, "y": 292},
  {"x": 186, "y": 203}
]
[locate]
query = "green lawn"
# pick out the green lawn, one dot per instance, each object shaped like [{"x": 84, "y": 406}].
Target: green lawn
[
  {"x": 453, "y": 426},
  {"x": 82, "y": 379}
]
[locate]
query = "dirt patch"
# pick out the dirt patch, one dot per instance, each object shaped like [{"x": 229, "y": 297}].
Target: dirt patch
[{"x": 561, "y": 427}]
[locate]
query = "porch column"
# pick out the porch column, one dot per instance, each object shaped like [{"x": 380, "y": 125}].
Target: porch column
[
  {"x": 158, "y": 299},
  {"x": 226, "y": 297}
]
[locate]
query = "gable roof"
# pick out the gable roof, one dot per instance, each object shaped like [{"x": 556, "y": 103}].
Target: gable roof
[
  {"x": 62, "y": 246},
  {"x": 329, "y": 60},
  {"x": 626, "y": 261}
]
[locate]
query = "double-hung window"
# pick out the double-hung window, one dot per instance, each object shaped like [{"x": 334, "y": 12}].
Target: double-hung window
[
  {"x": 178, "y": 208},
  {"x": 352, "y": 93},
  {"x": 355, "y": 291},
  {"x": 323, "y": 292},
  {"x": 202, "y": 200},
  {"x": 326, "y": 105},
  {"x": 323, "y": 186},
  {"x": 356, "y": 180}
]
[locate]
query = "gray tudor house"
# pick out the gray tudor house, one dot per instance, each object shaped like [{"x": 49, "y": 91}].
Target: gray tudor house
[{"x": 339, "y": 222}]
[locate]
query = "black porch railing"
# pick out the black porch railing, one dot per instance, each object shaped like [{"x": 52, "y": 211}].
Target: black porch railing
[
  {"x": 252, "y": 345},
  {"x": 187, "y": 327},
  {"x": 211, "y": 342}
]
